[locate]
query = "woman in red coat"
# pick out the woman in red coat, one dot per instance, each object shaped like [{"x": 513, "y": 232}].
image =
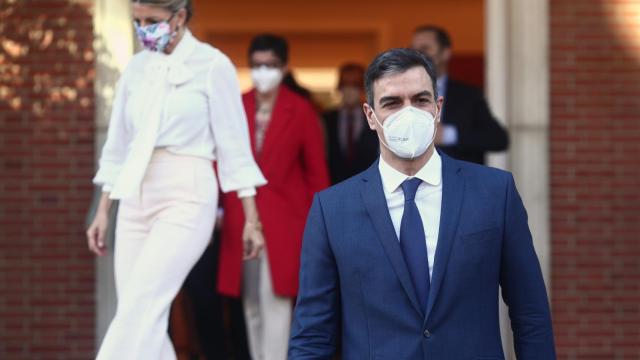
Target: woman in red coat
[{"x": 288, "y": 144}]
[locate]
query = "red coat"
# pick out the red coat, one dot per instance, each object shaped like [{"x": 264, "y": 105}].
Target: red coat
[{"x": 293, "y": 161}]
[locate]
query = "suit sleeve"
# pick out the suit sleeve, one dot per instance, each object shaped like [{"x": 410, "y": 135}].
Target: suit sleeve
[
  {"x": 316, "y": 314},
  {"x": 316, "y": 173},
  {"x": 485, "y": 134},
  {"x": 522, "y": 284}
]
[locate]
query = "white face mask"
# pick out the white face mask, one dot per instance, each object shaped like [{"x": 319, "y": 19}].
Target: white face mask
[
  {"x": 265, "y": 78},
  {"x": 408, "y": 132}
]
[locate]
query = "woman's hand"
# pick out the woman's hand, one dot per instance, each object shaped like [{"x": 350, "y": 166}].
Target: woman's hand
[
  {"x": 96, "y": 233},
  {"x": 252, "y": 240},
  {"x": 252, "y": 237}
]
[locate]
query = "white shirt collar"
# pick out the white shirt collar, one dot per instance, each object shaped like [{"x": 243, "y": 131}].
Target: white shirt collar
[
  {"x": 430, "y": 173},
  {"x": 178, "y": 72},
  {"x": 182, "y": 50},
  {"x": 185, "y": 46}
]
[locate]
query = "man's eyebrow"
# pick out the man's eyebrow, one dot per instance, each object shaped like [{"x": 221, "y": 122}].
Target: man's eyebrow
[
  {"x": 388, "y": 98},
  {"x": 423, "y": 93}
]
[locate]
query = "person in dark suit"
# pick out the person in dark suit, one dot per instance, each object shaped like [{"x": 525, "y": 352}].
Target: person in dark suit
[
  {"x": 351, "y": 148},
  {"x": 408, "y": 257},
  {"x": 469, "y": 130}
]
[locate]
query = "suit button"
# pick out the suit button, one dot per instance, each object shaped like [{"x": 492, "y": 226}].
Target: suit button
[{"x": 427, "y": 334}]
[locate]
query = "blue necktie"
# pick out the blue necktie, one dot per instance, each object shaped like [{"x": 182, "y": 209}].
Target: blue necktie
[{"x": 413, "y": 242}]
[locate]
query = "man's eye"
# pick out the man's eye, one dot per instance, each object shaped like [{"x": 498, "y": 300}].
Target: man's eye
[{"x": 391, "y": 102}]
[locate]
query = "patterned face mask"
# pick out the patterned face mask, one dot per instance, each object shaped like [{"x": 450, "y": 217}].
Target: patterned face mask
[{"x": 155, "y": 37}]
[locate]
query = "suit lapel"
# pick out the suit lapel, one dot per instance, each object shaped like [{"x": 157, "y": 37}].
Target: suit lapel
[
  {"x": 250, "y": 108},
  {"x": 280, "y": 117},
  {"x": 452, "y": 195},
  {"x": 376, "y": 205}
]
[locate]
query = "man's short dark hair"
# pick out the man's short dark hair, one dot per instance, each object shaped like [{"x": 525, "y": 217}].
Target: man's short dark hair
[
  {"x": 397, "y": 61},
  {"x": 275, "y": 43},
  {"x": 442, "y": 36}
]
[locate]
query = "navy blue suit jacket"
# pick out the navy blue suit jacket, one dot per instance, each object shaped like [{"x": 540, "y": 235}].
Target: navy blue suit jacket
[{"x": 354, "y": 282}]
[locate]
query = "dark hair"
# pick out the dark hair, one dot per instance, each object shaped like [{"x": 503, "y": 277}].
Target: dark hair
[
  {"x": 442, "y": 36},
  {"x": 290, "y": 82},
  {"x": 171, "y": 5},
  {"x": 397, "y": 61},
  {"x": 275, "y": 43}
]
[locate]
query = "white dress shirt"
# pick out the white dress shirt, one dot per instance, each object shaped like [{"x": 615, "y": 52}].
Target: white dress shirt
[
  {"x": 187, "y": 102},
  {"x": 428, "y": 199}
]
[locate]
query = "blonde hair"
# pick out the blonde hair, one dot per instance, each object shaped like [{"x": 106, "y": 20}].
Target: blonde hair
[{"x": 171, "y": 5}]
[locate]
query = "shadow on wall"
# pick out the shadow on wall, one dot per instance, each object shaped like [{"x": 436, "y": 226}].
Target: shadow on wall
[{"x": 44, "y": 88}]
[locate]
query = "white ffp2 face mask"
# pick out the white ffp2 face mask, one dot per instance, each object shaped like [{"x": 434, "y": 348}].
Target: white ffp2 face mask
[
  {"x": 265, "y": 78},
  {"x": 409, "y": 132}
]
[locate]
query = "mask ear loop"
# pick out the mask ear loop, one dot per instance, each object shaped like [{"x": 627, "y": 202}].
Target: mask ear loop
[{"x": 382, "y": 127}]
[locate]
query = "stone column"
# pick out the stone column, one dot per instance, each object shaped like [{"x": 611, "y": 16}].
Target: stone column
[
  {"x": 114, "y": 45},
  {"x": 517, "y": 34},
  {"x": 529, "y": 110}
]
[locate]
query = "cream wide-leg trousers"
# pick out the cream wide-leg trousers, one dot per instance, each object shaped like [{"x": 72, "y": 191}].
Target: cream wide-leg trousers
[
  {"x": 267, "y": 315},
  {"x": 160, "y": 235}
]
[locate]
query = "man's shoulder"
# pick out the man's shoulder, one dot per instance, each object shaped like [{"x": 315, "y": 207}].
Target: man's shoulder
[
  {"x": 460, "y": 88},
  {"x": 342, "y": 192},
  {"x": 479, "y": 173}
]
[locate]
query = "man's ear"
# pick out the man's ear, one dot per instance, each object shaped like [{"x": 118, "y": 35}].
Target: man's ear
[
  {"x": 368, "y": 112},
  {"x": 439, "y": 104}
]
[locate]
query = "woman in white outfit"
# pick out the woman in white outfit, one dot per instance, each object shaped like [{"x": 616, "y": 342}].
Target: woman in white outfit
[{"x": 177, "y": 108}]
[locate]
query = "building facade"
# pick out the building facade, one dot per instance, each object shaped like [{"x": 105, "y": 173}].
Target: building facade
[{"x": 563, "y": 75}]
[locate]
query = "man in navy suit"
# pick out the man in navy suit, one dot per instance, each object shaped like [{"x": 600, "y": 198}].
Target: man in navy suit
[{"x": 406, "y": 259}]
